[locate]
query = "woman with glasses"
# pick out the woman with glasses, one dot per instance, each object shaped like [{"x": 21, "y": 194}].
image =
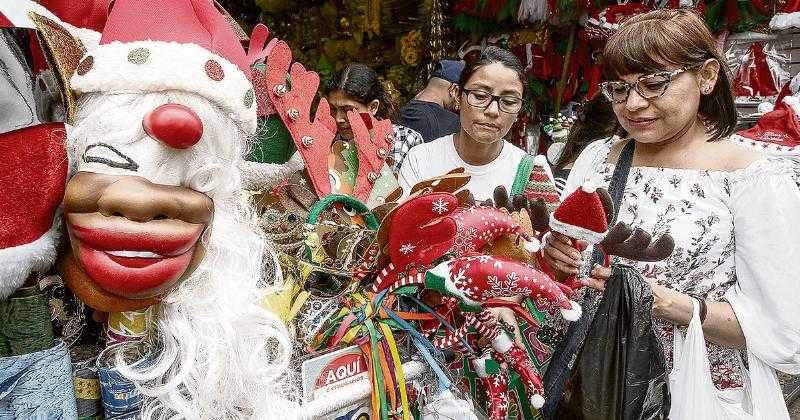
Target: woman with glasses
[
  {"x": 492, "y": 92},
  {"x": 731, "y": 211}
]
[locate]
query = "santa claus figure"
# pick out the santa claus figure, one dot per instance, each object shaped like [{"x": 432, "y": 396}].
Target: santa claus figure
[{"x": 154, "y": 208}]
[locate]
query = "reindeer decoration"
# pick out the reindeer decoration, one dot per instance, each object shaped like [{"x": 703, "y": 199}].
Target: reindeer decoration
[{"x": 435, "y": 242}]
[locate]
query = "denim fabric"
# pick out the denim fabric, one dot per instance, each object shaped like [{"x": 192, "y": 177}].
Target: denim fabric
[{"x": 38, "y": 385}]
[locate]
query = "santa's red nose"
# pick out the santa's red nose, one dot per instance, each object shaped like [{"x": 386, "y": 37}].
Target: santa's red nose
[{"x": 175, "y": 125}]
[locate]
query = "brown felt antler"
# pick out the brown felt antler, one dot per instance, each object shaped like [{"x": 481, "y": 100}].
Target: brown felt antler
[
  {"x": 636, "y": 244},
  {"x": 633, "y": 244}
]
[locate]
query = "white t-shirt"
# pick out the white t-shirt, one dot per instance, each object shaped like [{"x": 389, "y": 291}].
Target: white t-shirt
[{"x": 438, "y": 157}]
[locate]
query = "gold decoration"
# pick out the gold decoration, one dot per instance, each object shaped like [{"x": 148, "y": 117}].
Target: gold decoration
[
  {"x": 138, "y": 55},
  {"x": 410, "y": 46},
  {"x": 63, "y": 52},
  {"x": 537, "y": 34}
]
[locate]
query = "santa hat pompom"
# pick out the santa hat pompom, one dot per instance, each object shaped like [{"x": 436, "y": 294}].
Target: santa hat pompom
[
  {"x": 572, "y": 314},
  {"x": 533, "y": 245},
  {"x": 537, "y": 401},
  {"x": 589, "y": 187}
]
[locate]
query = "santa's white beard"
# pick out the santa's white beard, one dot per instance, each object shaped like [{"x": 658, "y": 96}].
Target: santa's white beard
[{"x": 220, "y": 355}]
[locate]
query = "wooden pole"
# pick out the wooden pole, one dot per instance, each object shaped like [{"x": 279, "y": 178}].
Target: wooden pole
[{"x": 562, "y": 83}]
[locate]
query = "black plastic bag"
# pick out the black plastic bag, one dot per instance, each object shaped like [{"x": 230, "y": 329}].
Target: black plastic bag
[{"x": 620, "y": 373}]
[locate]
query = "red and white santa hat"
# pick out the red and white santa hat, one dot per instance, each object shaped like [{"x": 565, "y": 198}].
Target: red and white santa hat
[
  {"x": 788, "y": 17},
  {"x": 776, "y": 132},
  {"x": 581, "y": 215},
  {"x": 169, "y": 45},
  {"x": 33, "y": 173}
]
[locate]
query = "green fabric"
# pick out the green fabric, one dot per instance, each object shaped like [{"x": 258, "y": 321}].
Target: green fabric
[
  {"x": 350, "y": 156},
  {"x": 25, "y": 325},
  {"x": 523, "y": 175},
  {"x": 274, "y": 143},
  {"x": 369, "y": 218}
]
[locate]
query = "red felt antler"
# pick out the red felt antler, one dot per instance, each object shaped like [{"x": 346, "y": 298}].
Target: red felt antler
[
  {"x": 373, "y": 139},
  {"x": 313, "y": 138}
]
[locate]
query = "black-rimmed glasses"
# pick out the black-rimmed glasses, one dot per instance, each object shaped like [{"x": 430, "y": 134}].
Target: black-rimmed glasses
[
  {"x": 650, "y": 86},
  {"x": 482, "y": 99}
]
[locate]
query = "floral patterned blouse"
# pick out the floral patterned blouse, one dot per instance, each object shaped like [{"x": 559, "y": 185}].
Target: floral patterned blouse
[{"x": 698, "y": 208}]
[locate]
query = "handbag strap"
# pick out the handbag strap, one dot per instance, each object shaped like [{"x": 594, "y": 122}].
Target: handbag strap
[
  {"x": 570, "y": 345},
  {"x": 616, "y": 188}
]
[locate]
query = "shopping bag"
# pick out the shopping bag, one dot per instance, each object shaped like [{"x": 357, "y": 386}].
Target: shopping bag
[
  {"x": 694, "y": 395},
  {"x": 621, "y": 372}
]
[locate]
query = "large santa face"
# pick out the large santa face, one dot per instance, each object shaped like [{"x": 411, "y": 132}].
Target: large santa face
[{"x": 139, "y": 204}]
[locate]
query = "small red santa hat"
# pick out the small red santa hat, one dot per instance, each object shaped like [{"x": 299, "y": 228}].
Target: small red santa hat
[
  {"x": 581, "y": 215},
  {"x": 776, "y": 132},
  {"x": 168, "y": 45},
  {"x": 788, "y": 17}
]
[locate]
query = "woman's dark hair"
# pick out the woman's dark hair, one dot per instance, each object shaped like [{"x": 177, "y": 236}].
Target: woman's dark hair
[
  {"x": 491, "y": 55},
  {"x": 646, "y": 43},
  {"x": 362, "y": 84},
  {"x": 595, "y": 120}
]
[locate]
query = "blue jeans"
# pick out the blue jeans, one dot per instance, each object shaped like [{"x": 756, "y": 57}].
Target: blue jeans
[{"x": 38, "y": 385}]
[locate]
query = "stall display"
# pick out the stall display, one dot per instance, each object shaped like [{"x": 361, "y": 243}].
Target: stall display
[{"x": 199, "y": 242}]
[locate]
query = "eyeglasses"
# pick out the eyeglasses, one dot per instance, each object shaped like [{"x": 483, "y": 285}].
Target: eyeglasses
[
  {"x": 506, "y": 103},
  {"x": 649, "y": 86}
]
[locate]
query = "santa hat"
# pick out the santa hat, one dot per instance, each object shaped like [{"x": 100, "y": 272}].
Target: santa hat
[
  {"x": 776, "y": 132},
  {"x": 789, "y": 17},
  {"x": 167, "y": 45},
  {"x": 33, "y": 173},
  {"x": 581, "y": 216}
]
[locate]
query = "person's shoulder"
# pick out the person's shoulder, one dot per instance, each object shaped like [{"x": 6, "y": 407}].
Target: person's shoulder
[
  {"x": 730, "y": 156},
  {"x": 433, "y": 146},
  {"x": 607, "y": 148}
]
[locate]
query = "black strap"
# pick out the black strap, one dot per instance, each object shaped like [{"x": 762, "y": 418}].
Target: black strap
[
  {"x": 567, "y": 349},
  {"x": 620, "y": 177}
]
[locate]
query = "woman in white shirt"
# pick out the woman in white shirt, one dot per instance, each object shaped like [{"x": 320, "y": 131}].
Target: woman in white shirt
[
  {"x": 491, "y": 97},
  {"x": 731, "y": 211}
]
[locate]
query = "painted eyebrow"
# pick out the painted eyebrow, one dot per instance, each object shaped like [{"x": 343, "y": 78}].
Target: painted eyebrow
[{"x": 129, "y": 163}]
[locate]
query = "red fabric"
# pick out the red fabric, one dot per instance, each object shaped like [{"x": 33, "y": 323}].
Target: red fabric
[
  {"x": 371, "y": 135},
  {"x": 780, "y": 127},
  {"x": 583, "y": 209},
  {"x": 182, "y": 21},
  {"x": 482, "y": 277},
  {"x": 33, "y": 174},
  {"x": 415, "y": 237},
  {"x": 480, "y": 225},
  {"x": 90, "y": 14},
  {"x": 594, "y": 79},
  {"x": 4, "y": 22},
  {"x": 754, "y": 77},
  {"x": 322, "y": 129},
  {"x": 791, "y": 6}
]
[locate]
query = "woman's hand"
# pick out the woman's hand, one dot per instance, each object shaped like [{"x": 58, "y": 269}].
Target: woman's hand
[
  {"x": 508, "y": 316},
  {"x": 565, "y": 261},
  {"x": 561, "y": 256}
]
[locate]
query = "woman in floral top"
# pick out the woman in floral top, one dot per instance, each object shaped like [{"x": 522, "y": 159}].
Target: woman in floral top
[{"x": 731, "y": 211}]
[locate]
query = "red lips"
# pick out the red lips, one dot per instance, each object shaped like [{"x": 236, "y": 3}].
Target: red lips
[{"x": 134, "y": 261}]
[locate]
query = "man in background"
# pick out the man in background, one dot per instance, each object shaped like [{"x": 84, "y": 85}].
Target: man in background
[{"x": 433, "y": 112}]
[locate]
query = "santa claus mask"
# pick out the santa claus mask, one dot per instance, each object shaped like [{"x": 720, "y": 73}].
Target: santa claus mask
[{"x": 157, "y": 136}]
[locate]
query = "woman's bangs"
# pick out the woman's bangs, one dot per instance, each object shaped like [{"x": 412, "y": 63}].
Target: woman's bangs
[{"x": 637, "y": 50}]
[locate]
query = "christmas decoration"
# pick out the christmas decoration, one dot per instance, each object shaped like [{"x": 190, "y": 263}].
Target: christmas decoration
[{"x": 155, "y": 211}]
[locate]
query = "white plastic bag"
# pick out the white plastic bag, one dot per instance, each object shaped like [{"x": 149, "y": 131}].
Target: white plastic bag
[{"x": 694, "y": 395}]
